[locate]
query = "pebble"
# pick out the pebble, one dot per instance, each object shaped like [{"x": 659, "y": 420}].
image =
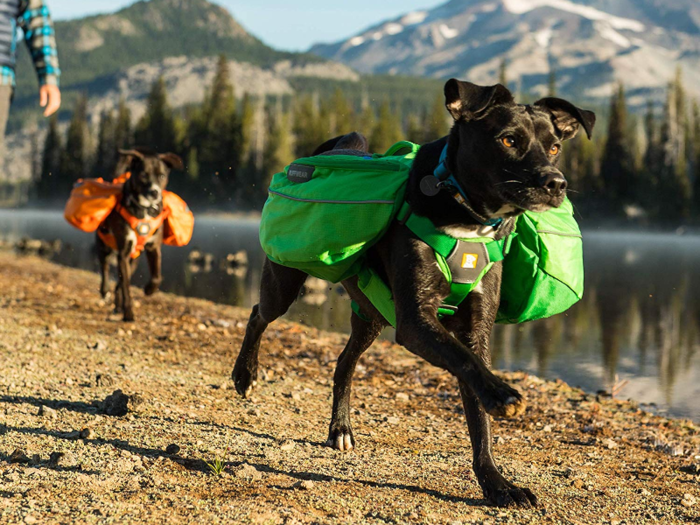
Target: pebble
[
  {"x": 307, "y": 484},
  {"x": 85, "y": 433},
  {"x": 547, "y": 428},
  {"x": 19, "y": 456},
  {"x": 98, "y": 346},
  {"x": 116, "y": 404},
  {"x": 45, "y": 411},
  {"x": 287, "y": 445},
  {"x": 29, "y": 519},
  {"x": 402, "y": 396},
  {"x": 104, "y": 380},
  {"x": 172, "y": 449},
  {"x": 578, "y": 483},
  {"x": 248, "y": 472},
  {"x": 688, "y": 500},
  {"x": 62, "y": 459},
  {"x": 610, "y": 443}
]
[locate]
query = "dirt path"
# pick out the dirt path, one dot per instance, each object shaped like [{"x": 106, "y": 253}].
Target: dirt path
[{"x": 589, "y": 461}]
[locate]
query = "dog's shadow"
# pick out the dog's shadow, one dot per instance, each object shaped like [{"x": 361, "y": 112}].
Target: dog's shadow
[
  {"x": 73, "y": 406},
  {"x": 200, "y": 465}
]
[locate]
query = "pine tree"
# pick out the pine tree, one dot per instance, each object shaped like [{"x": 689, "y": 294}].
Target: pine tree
[
  {"x": 343, "y": 114},
  {"x": 366, "y": 120},
  {"x": 415, "y": 131},
  {"x": 279, "y": 149},
  {"x": 308, "y": 126},
  {"x": 122, "y": 131},
  {"x": 105, "y": 160},
  {"x": 437, "y": 123},
  {"x": 248, "y": 170},
  {"x": 695, "y": 155},
  {"x": 674, "y": 184},
  {"x": 217, "y": 133},
  {"x": 74, "y": 161},
  {"x": 192, "y": 166},
  {"x": 651, "y": 163},
  {"x": 51, "y": 162},
  {"x": 156, "y": 129},
  {"x": 387, "y": 130},
  {"x": 617, "y": 165}
]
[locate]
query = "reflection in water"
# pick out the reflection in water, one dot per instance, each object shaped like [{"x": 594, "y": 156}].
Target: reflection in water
[{"x": 638, "y": 319}]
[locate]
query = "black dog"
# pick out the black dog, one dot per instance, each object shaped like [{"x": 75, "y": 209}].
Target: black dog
[
  {"x": 504, "y": 156},
  {"x": 136, "y": 224}
]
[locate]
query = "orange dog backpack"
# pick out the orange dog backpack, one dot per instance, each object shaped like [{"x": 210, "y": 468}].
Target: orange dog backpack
[
  {"x": 92, "y": 200},
  {"x": 90, "y": 203}
]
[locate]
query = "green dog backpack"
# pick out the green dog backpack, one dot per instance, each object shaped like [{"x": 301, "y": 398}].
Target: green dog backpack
[
  {"x": 323, "y": 213},
  {"x": 543, "y": 271}
]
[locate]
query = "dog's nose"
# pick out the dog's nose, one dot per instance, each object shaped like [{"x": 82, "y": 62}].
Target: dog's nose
[
  {"x": 154, "y": 193},
  {"x": 554, "y": 182}
]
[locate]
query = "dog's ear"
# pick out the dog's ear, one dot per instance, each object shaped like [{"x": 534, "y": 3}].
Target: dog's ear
[
  {"x": 133, "y": 153},
  {"x": 172, "y": 161},
  {"x": 468, "y": 101},
  {"x": 566, "y": 117},
  {"x": 130, "y": 157}
]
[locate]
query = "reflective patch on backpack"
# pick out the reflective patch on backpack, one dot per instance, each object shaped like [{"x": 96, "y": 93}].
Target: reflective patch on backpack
[
  {"x": 300, "y": 173},
  {"x": 467, "y": 261}
]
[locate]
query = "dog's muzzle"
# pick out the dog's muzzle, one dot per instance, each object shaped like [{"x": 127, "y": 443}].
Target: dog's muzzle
[{"x": 553, "y": 182}]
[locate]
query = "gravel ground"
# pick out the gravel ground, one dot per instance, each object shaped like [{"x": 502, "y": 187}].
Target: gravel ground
[{"x": 68, "y": 456}]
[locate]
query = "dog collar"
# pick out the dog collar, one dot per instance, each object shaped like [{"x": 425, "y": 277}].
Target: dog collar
[{"x": 448, "y": 180}]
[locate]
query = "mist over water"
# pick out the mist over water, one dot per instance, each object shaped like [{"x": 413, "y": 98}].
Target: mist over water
[{"x": 639, "y": 320}]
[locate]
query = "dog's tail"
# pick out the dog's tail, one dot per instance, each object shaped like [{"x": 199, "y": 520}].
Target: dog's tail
[{"x": 352, "y": 141}]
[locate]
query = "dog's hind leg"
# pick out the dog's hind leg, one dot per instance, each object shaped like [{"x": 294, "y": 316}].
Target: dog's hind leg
[
  {"x": 340, "y": 435},
  {"x": 122, "y": 292},
  {"x": 279, "y": 288},
  {"x": 103, "y": 253}
]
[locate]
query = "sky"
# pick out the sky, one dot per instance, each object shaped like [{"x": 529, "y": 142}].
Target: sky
[{"x": 291, "y": 25}]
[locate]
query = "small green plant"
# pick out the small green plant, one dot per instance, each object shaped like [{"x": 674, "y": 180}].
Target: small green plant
[{"x": 217, "y": 467}]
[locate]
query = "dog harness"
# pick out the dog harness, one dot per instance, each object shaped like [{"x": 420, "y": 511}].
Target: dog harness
[
  {"x": 143, "y": 228},
  {"x": 463, "y": 262}
]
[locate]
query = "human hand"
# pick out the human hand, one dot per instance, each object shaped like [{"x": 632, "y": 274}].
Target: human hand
[{"x": 49, "y": 98}]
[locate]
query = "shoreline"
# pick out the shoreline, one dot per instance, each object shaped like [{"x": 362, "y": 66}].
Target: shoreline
[{"x": 589, "y": 459}]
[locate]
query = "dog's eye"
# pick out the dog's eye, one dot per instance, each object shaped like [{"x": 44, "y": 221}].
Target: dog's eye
[
  {"x": 554, "y": 149},
  {"x": 508, "y": 142}
]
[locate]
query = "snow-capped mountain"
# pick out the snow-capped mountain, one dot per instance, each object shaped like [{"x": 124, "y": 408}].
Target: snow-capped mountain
[{"x": 590, "y": 44}]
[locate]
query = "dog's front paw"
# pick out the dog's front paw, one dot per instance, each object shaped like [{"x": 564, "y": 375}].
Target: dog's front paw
[
  {"x": 513, "y": 497},
  {"x": 151, "y": 288},
  {"x": 244, "y": 379},
  {"x": 128, "y": 316},
  {"x": 340, "y": 437},
  {"x": 501, "y": 400},
  {"x": 502, "y": 493}
]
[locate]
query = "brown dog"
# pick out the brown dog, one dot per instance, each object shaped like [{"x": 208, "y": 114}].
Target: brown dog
[{"x": 135, "y": 225}]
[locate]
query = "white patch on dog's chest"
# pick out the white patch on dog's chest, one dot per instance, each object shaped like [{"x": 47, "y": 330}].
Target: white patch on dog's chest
[{"x": 504, "y": 211}]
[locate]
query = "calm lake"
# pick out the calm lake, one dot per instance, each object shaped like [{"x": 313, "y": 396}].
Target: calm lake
[{"x": 639, "y": 321}]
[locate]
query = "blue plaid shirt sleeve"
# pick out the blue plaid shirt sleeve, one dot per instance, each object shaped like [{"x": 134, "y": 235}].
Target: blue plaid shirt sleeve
[{"x": 35, "y": 21}]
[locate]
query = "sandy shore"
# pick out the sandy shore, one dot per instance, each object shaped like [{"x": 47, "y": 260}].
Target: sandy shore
[{"x": 65, "y": 459}]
